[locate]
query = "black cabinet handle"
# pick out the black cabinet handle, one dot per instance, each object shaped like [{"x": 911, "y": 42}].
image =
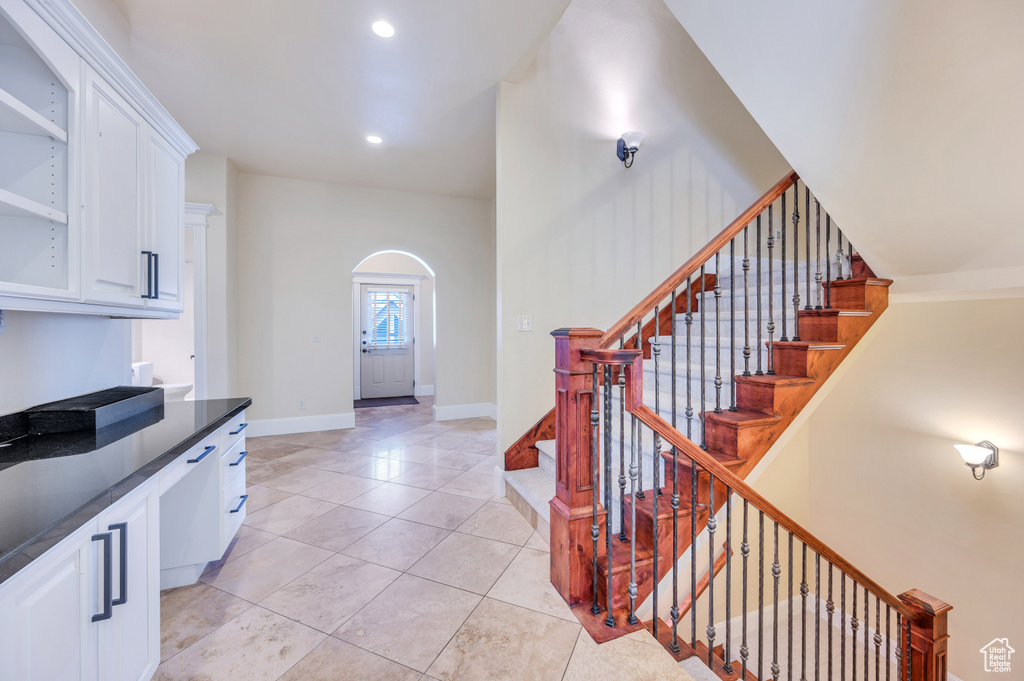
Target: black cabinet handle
[
  {"x": 108, "y": 580},
  {"x": 149, "y": 274},
  {"x": 156, "y": 276},
  {"x": 241, "y": 503},
  {"x": 244, "y": 454},
  {"x": 122, "y": 528},
  {"x": 241, "y": 427},
  {"x": 203, "y": 455}
]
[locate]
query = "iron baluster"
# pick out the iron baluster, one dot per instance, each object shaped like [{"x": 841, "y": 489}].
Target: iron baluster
[
  {"x": 776, "y": 574},
  {"x": 622, "y": 447},
  {"x": 839, "y": 254},
  {"x": 888, "y": 640},
  {"x": 595, "y": 530},
  {"x": 640, "y": 432},
  {"x": 746, "y": 305},
  {"x": 728, "y": 581},
  {"x": 712, "y": 526},
  {"x": 878, "y": 636},
  {"x": 854, "y": 626},
  {"x": 828, "y": 262},
  {"x": 789, "y": 664},
  {"x": 867, "y": 621},
  {"x": 796, "y": 261},
  {"x": 718, "y": 339},
  {"x": 782, "y": 221},
  {"x": 807, "y": 260},
  {"x": 656, "y": 461},
  {"x": 817, "y": 615},
  {"x": 672, "y": 332},
  {"x": 817, "y": 254},
  {"x": 674, "y": 646},
  {"x": 849, "y": 252},
  {"x": 830, "y": 608},
  {"x": 759, "y": 324},
  {"x": 771, "y": 293},
  {"x": 760, "y": 595},
  {"x": 732, "y": 323},
  {"x": 634, "y": 488},
  {"x": 842, "y": 626},
  {"x": 899, "y": 646},
  {"x": 803, "y": 617},
  {"x": 688, "y": 320},
  {"x": 693, "y": 553},
  {"x": 609, "y": 513},
  {"x": 703, "y": 378},
  {"x": 745, "y": 552}
]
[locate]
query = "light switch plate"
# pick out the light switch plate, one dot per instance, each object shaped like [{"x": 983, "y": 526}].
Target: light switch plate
[{"x": 524, "y": 322}]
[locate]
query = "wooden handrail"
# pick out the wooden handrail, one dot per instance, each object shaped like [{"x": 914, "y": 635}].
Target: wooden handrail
[
  {"x": 745, "y": 491},
  {"x": 678, "y": 278}
]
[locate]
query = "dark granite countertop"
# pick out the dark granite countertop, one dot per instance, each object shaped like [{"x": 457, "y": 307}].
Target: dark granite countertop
[{"x": 51, "y": 485}]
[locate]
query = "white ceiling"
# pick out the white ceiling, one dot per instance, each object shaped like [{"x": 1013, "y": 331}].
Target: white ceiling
[{"x": 293, "y": 88}]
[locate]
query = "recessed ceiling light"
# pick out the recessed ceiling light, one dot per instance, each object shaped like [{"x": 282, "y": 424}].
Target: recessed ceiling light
[
  {"x": 373, "y": 139},
  {"x": 385, "y": 29}
]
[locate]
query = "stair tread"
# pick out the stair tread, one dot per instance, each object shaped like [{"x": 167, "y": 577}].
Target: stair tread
[
  {"x": 775, "y": 379},
  {"x": 872, "y": 281},
  {"x": 645, "y": 504},
  {"x": 811, "y": 345},
  {"x": 743, "y": 417},
  {"x": 536, "y": 486},
  {"x": 620, "y": 557}
]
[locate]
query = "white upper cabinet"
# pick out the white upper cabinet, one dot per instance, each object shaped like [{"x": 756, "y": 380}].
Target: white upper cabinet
[
  {"x": 91, "y": 173},
  {"x": 112, "y": 231}
]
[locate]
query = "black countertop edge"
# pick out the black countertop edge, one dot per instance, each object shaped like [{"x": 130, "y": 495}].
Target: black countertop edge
[{"x": 32, "y": 549}]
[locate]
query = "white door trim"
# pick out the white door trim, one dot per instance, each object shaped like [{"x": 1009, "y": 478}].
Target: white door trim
[
  {"x": 196, "y": 215},
  {"x": 384, "y": 278}
]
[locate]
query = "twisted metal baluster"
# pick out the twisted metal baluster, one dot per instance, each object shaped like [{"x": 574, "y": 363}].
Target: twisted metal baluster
[
  {"x": 817, "y": 255},
  {"x": 878, "y": 636},
  {"x": 595, "y": 530},
  {"x": 796, "y": 261},
  {"x": 789, "y": 663},
  {"x": 842, "y": 626},
  {"x": 622, "y": 447},
  {"x": 830, "y": 608},
  {"x": 828, "y": 262},
  {"x": 727, "y": 667},
  {"x": 807, "y": 224},
  {"x": 839, "y": 254},
  {"x": 674, "y": 613},
  {"x": 817, "y": 615},
  {"x": 771, "y": 294},
  {"x": 899, "y": 647},
  {"x": 867, "y": 621},
  {"x": 776, "y": 574},
  {"x": 760, "y": 596},
  {"x": 888, "y": 640},
  {"x": 640, "y": 432},
  {"x": 782, "y": 220},
  {"x": 688, "y": 320},
  {"x": 634, "y": 488},
  {"x": 712, "y": 526},
  {"x": 745, "y": 552},
  {"x": 718, "y": 339},
  {"x": 610, "y": 621},
  {"x": 703, "y": 378},
  {"x": 732, "y": 322},
  {"x": 693, "y": 554},
  {"x": 803, "y": 618},
  {"x": 759, "y": 324},
  {"x": 854, "y": 626},
  {"x": 746, "y": 305},
  {"x": 656, "y": 466}
]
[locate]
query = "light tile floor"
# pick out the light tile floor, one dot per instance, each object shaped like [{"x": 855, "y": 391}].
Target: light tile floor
[{"x": 381, "y": 552}]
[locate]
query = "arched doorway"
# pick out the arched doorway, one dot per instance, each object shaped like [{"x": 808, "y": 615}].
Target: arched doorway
[{"x": 394, "y": 330}]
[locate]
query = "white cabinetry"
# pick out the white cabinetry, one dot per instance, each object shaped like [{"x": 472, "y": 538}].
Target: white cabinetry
[
  {"x": 91, "y": 173},
  {"x": 89, "y": 609}
]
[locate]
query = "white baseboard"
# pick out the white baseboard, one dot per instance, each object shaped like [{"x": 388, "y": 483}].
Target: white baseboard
[
  {"x": 423, "y": 391},
  {"x": 465, "y": 411},
  {"x": 301, "y": 424}
]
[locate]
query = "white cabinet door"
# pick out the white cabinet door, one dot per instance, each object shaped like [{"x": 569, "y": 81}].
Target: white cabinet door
[
  {"x": 129, "y": 642},
  {"x": 114, "y": 270},
  {"x": 46, "y": 632},
  {"x": 165, "y": 222}
]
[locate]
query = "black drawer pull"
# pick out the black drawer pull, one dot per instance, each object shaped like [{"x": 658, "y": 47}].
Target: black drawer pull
[
  {"x": 108, "y": 579},
  {"x": 122, "y": 528}
]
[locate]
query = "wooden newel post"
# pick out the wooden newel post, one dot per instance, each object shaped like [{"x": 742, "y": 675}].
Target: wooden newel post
[
  {"x": 928, "y": 636},
  {"x": 572, "y": 548}
]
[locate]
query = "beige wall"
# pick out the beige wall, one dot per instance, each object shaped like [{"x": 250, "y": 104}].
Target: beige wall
[
  {"x": 46, "y": 357},
  {"x": 396, "y": 263},
  {"x": 298, "y": 244},
  {"x": 580, "y": 238},
  {"x": 889, "y": 492},
  {"x": 214, "y": 180}
]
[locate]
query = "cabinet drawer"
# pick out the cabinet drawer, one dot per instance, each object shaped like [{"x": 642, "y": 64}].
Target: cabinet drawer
[
  {"x": 234, "y": 507},
  {"x": 232, "y": 461},
  {"x": 234, "y": 430}
]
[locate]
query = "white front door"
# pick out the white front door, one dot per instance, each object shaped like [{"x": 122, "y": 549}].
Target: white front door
[{"x": 387, "y": 363}]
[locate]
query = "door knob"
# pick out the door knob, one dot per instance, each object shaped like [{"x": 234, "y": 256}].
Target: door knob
[{"x": 365, "y": 350}]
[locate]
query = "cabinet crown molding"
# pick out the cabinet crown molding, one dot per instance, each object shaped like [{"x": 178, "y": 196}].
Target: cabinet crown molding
[{"x": 70, "y": 25}]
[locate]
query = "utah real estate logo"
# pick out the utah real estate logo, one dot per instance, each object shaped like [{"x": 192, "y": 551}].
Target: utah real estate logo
[{"x": 997, "y": 655}]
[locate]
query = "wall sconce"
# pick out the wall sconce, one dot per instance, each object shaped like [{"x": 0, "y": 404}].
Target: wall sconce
[
  {"x": 983, "y": 455},
  {"x": 628, "y": 144}
]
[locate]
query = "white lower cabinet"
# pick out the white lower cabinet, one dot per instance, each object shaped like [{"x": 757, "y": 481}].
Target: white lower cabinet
[{"x": 89, "y": 609}]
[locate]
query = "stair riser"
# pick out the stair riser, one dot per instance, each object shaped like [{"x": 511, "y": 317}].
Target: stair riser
[{"x": 620, "y": 584}]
